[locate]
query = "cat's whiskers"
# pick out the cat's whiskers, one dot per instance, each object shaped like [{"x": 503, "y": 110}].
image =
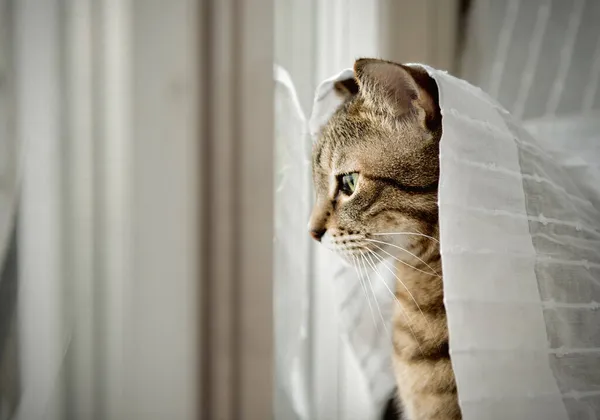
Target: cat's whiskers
[
  {"x": 360, "y": 279},
  {"x": 405, "y": 250},
  {"x": 408, "y": 318},
  {"x": 404, "y": 262},
  {"x": 383, "y": 262},
  {"x": 373, "y": 292},
  {"x": 405, "y": 233}
]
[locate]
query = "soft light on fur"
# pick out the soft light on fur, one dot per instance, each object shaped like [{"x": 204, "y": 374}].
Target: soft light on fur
[{"x": 388, "y": 131}]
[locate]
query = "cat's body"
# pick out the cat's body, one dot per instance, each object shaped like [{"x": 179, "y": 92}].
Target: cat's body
[
  {"x": 376, "y": 170},
  {"x": 421, "y": 358}
]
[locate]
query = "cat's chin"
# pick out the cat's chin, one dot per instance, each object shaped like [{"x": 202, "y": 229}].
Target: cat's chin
[
  {"x": 363, "y": 262},
  {"x": 345, "y": 260}
]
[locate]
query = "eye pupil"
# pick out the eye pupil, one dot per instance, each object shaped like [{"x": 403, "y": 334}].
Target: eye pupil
[{"x": 348, "y": 184}]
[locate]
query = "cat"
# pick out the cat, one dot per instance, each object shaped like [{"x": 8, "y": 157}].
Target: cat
[{"x": 375, "y": 172}]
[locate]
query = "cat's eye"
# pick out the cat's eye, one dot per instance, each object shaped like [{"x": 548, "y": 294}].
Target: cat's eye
[{"x": 348, "y": 183}]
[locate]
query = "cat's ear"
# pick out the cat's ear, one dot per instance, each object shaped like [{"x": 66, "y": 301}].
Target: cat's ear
[
  {"x": 346, "y": 87},
  {"x": 397, "y": 89}
]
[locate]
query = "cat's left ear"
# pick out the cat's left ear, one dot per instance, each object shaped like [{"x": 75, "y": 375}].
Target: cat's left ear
[
  {"x": 398, "y": 89},
  {"x": 346, "y": 87}
]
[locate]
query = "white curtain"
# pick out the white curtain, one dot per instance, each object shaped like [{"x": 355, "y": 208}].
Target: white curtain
[
  {"x": 520, "y": 238},
  {"x": 108, "y": 209},
  {"x": 537, "y": 57},
  {"x": 541, "y": 59},
  {"x": 292, "y": 252}
]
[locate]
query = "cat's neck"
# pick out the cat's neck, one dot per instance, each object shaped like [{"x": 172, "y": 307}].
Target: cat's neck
[
  {"x": 420, "y": 316},
  {"x": 420, "y": 293},
  {"x": 419, "y": 279}
]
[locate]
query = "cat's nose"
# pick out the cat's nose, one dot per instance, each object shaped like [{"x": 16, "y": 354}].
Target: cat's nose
[{"x": 317, "y": 233}]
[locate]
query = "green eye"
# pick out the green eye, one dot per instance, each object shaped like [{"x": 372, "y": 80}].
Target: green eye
[{"x": 348, "y": 183}]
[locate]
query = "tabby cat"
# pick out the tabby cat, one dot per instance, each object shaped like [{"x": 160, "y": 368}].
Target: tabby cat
[{"x": 375, "y": 171}]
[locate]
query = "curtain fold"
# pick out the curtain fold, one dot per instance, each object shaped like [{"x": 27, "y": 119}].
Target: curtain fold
[{"x": 519, "y": 236}]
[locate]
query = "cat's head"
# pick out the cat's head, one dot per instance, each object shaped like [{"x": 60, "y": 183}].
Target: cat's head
[{"x": 376, "y": 162}]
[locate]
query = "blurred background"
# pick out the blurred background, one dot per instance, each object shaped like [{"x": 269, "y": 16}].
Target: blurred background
[{"x": 155, "y": 188}]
